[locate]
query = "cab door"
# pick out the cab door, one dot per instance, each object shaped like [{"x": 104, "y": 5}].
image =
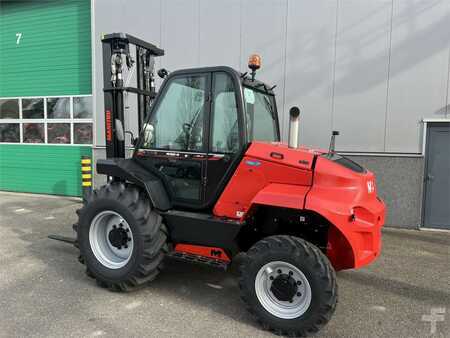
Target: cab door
[
  {"x": 225, "y": 148},
  {"x": 176, "y": 146}
]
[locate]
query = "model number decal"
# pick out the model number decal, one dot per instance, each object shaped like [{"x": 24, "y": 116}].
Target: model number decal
[
  {"x": 370, "y": 187},
  {"x": 109, "y": 130},
  {"x": 253, "y": 163}
]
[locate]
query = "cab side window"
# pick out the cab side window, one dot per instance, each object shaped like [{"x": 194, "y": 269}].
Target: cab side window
[{"x": 224, "y": 120}]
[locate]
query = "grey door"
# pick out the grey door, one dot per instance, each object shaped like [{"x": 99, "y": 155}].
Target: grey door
[{"x": 437, "y": 177}]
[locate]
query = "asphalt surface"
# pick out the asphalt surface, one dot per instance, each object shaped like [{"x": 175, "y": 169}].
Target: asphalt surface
[{"x": 44, "y": 291}]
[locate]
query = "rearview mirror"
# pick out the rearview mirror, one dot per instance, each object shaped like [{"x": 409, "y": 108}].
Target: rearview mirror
[
  {"x": 120, "y": 134},
  {"x": 148, "y": 134}
]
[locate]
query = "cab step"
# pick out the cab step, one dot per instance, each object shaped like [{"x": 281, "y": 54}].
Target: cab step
[{"x": 197, "y": 259}]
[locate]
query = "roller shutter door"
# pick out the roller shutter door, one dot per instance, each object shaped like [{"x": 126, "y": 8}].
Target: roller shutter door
[{"x": 45, "y": 95}]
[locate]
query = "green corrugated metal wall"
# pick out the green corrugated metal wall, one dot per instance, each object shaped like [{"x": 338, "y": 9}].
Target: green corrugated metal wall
[
  {"x": 58, "y": 171},
  {"x": 52, "y": 57},
  {"x": 53, "y": 54}
]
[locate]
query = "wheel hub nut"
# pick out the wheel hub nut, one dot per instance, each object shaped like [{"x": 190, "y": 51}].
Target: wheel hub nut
[
  {"x": 284, "y": 287},
  {"x": 118, "y": 237}
]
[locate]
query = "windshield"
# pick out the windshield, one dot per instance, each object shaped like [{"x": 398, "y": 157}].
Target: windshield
[
  {"x": 261, "y": 116},
  {"x": 177, "y": 123}
]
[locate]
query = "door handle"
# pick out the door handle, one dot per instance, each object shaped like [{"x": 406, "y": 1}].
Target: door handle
[
  {"x": 430, "y": 177},
  {"x": 223, "y": 157}
]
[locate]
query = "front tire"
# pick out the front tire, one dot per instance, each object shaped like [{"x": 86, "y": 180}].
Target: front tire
[
  {"x": 121, "y": 239},
  {"x": 289, "y": 285}
]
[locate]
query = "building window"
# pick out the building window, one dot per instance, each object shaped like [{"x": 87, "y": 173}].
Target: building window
[
  {"x": 58, "y": 133},
  {"x": 9, "y": 108},
  {"x": 33, "y": 108},
  {"x": 46, "y": 120},
  {"x": 82, "y": 133},
  {"x": 33, "y": 133},
  {"x": 58, "y": 108},
  {"x": 10, "y": 132},
  {"x": 82, "y": 107}
]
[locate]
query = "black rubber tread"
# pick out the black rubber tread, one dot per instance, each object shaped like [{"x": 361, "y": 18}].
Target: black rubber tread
[
  {"x": 316, "y": 267},
  {"x": 149, "y": 232}
]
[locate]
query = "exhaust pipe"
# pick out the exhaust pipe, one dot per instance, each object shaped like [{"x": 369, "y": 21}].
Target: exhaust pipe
[{"x": 294, "y": 121}]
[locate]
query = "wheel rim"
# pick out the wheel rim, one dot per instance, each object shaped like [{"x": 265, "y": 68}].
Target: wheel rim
[
  {"x": 111, "y": 239},
  {"x": 283, "y": 290}
]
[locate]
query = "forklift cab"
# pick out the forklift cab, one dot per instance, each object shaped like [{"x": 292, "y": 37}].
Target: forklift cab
[{"x": 199, "y": 128}]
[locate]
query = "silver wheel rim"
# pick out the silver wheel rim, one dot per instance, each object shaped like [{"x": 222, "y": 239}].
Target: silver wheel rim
[
  {"x": 299, "y": 303},
  {"x": 103, "y": 249}
]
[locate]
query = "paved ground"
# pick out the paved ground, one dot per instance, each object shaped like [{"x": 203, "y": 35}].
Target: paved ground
[{"x": 45, "y": 293}]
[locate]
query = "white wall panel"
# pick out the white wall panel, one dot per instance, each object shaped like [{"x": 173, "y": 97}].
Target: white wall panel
[
  {"x": 309, "y": 67},
  {"x": 120, "y": 16},
  {"x": 418, "y": 72},
  {"x": 264, "y": 33},
  {"x": 362, "y": 57},
  {"x": 448, "y": 86},
  {"x": 180, "y": 34},
  {"x": 220, "y": 33},
  {"x": 296, "y": 39}
]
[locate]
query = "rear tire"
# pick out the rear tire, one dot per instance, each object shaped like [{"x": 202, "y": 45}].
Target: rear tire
[
  {"x": 289, "y": 285},
  {"x": 122, "y": 241}
]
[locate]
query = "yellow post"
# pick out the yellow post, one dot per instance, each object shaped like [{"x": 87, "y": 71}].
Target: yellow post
[{"x": 86, "y": 176}]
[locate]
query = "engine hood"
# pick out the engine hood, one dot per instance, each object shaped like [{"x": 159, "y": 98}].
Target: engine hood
[{"x": 278, "y": 152}]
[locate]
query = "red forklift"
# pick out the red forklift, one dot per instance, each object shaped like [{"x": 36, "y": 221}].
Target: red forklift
[{"x": 209, "y": 180}]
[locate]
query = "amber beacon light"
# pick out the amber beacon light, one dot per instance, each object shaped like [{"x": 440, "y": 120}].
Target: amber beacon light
[{"x": 254, "y": 63}]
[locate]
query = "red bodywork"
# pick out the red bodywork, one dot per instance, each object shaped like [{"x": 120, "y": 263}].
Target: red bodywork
[
  {"x": 273, "y": 174},
  {"x": 204, "y": 251}
]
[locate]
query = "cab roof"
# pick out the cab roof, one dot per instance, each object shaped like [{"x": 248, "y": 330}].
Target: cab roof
[{"x": 244, "y": 78}]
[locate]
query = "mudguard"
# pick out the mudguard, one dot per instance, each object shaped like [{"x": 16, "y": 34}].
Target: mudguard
[
  {"x": 348, "y": 200},
  {"x": 354, "y": 237},
  {"x": 129, "y": 170}
]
